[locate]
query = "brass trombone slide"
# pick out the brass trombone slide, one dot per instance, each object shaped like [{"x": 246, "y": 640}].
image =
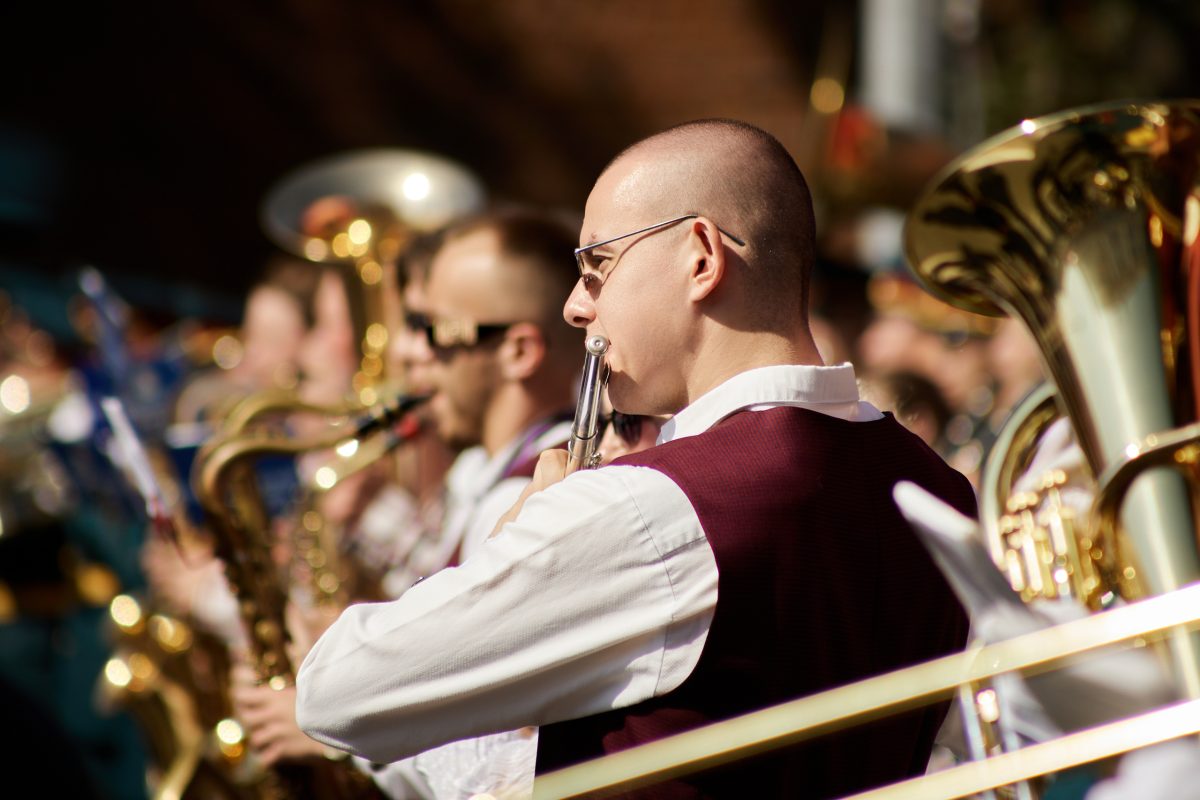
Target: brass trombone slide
[{"x": 832, "y": 710}]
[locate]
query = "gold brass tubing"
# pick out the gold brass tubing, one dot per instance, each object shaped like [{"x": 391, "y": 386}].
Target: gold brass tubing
[
  {"x": 182, "y": 769},
  {"x": 832, "y": 710},
  {"x": 278, "y": 400},
  {"x": 1093, "y": 744},
  {"x": 1009, "y": 456},
  {"x": 1155, "y": 450}
]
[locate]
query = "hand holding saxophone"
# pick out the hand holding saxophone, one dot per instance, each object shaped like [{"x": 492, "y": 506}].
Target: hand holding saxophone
[{"x": 269, "y": 718}]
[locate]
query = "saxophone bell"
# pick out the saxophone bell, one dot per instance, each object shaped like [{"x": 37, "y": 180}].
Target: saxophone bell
[{"x": 583, "y": 450}]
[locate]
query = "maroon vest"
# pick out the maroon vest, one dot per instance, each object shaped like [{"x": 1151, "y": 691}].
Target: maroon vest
[{"x": 821, "y": 583}]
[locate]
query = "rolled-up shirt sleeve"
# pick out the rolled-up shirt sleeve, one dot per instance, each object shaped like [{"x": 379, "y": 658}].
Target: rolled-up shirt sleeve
[{"x": 598, "y": 596}]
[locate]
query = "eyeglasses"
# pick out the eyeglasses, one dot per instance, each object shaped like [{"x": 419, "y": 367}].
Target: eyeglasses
[
  {"x": 589, "y": 263},
  {"x": 627, "y": 426},
  {"x": 449, "y": 334}
]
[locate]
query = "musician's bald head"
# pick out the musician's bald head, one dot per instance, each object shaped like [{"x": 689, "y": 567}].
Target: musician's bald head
[
  {"x": 747, "y": 182},
  {"x": 699, "y": 247}
]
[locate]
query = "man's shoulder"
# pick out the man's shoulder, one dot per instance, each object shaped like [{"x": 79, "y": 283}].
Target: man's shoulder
[{"x": 747, "y": 432}]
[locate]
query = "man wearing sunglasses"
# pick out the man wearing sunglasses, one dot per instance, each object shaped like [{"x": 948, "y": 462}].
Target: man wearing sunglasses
[
  {"x": 502, "y": 365},
  {"x": 754, "y": 556},
  {"x": 484, "y": 335}
]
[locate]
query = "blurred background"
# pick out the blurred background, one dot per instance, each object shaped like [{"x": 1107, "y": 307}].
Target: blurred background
[
  {"x": 142, "y": 137},
  {"x": 138, "y": 142}
]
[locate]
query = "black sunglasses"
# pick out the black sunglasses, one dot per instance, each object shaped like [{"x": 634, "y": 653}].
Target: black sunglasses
[
  {"x": 451, "y": 334},
  {"x": 627, "y": 426}
]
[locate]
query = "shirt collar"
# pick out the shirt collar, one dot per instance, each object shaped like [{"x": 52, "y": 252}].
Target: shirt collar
[
  {"x": 803, "y": 385},
  {"x": 474, "y": 473}
]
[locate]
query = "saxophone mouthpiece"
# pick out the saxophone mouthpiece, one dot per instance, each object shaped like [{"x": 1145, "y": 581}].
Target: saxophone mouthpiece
[{"x": 389, "y": 413}]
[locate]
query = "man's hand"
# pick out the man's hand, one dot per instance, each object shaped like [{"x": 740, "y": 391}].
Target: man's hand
[
  {"x": 269, "y": 718},
  {"x": 551, "y": 468},
  {"x": 179, "y": 579}
]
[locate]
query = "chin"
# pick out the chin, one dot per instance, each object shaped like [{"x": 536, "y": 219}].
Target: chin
[{"x": 625, "y": 395}]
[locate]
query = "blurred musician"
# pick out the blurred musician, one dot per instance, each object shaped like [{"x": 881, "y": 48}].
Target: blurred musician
[
  {"x": 72, "y": 528},
  {"x": 486, "y": 335},
  {"x": 915, "y": 334},
  {"x": 277, "y": 317},
  {"x": 753, "y": 556}
]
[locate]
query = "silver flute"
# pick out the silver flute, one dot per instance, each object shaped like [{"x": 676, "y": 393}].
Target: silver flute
[{"x": 583, "y": 450}]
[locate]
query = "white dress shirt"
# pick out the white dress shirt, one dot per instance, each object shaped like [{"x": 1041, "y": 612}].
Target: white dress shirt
[
  {"x": 477, "y": 495},
  {"x": 598, "y": 596}
]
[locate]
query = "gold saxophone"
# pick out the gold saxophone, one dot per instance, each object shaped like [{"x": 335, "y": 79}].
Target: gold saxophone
[
  {"x": 226, "y": 486},
  {"x": 311, "y": 537}
]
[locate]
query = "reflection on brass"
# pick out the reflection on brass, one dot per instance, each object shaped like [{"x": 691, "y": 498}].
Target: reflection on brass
[
  {"x": 1072, "y": 223},
  {"x": 172, "y": 635},
  {"x": 231, "y": 738},
  {"x": 8, "y": 603},
  {"x": 127, "y": 613},
  {"x": 360, "y": 210},
  {"x": 842, "y": 707},
  {"x": 96, "y": 584}
]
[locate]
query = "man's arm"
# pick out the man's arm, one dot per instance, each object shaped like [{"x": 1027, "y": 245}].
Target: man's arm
[{"x": 598, "y": 595}]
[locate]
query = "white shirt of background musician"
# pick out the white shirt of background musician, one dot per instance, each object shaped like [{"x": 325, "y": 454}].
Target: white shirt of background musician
[
  {"x": 598, "y": 596},
  {"x": 477, "y": 495}
]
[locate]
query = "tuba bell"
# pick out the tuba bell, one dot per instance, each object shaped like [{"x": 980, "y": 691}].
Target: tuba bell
[
  {"x": 359, "y": 211},
  {"x": 1083, "y": 226}
]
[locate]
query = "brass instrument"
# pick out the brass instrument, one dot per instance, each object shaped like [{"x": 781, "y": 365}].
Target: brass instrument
[
  {"x": 226, "y": 487},
  {"x": 1074, "y": 224},
  {"x": 173, "y": 678},
  {"x": 583, "y": 449},
  {"x": 360, "y": 210},
  {"x": 357, "y": 211},
  {"x": 1085, "y": 225}
]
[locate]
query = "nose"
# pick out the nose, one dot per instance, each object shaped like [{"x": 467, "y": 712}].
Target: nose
[{"x": 580, "y": 309}]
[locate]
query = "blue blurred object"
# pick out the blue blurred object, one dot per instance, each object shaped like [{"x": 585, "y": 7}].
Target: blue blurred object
[{"x": 278, "y": 481}]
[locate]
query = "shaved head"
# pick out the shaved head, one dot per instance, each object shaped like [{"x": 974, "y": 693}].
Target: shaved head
[{"x": 744, "y": 179}]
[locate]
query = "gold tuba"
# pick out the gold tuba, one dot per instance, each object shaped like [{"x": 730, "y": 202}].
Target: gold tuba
[
  {"x": 359, "y": 211},
  {"x": 1079, "y": 224}
]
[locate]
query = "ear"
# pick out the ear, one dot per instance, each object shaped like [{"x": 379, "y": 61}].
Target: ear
[
  {"x": 523, "y": 351},
  {"x": 706, "y": 259}
]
